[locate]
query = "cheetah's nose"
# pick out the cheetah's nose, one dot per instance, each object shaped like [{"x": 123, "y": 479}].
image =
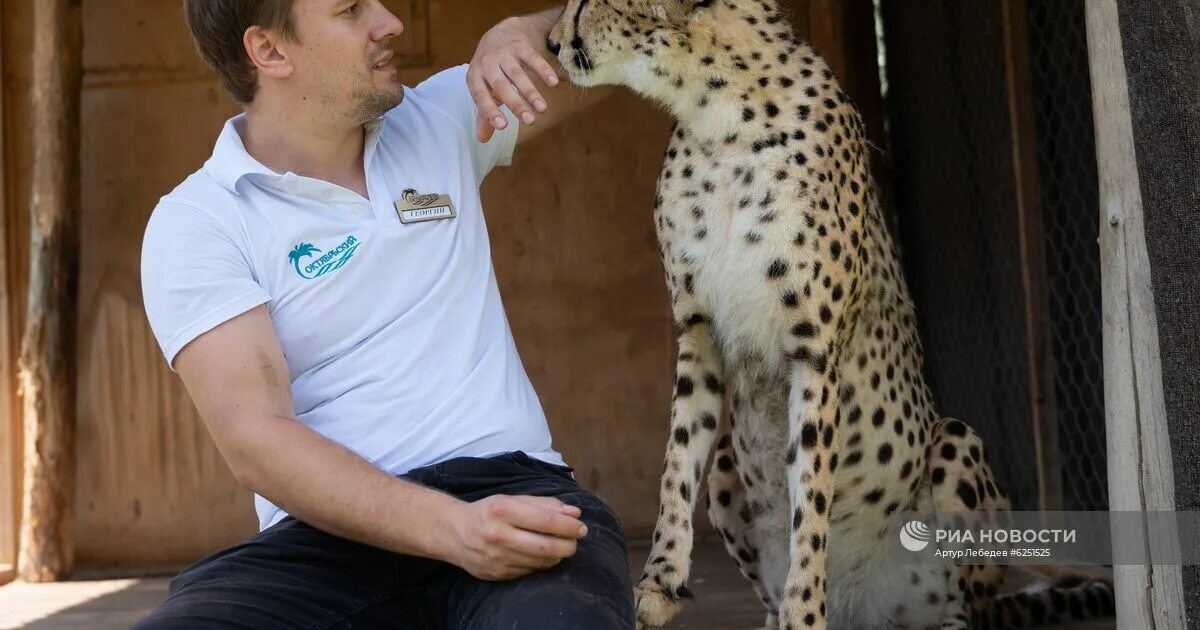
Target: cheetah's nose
[{"x": 553, "y": 47}]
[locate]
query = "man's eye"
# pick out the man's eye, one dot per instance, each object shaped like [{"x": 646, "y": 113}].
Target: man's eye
[{"x": 351, "y": 10}]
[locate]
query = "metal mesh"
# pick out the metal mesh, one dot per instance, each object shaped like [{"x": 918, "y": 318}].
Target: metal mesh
[
  {"x": 950, "y": 139},
  {"x": 1070, "y": 200}
]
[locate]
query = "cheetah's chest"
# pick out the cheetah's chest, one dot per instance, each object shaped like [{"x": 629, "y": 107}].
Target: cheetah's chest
[{"x": 721, "y": 233}]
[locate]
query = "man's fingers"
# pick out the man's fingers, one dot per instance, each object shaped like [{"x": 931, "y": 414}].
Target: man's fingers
[
  {"x": 528, "y": 562},
  {"x": 550, "y": 503},
  {"x": 518, "y": 565},
  {"x": 538, "y": 64},
  {"x": 518, "y": 78},
  {"x": 539, "y": 545},
  {"x": 485, "y": 104},
  {"x": 545, "y": 520},
  {"x": 483, "y": 129},
  {"x": 502, "y": 88}
]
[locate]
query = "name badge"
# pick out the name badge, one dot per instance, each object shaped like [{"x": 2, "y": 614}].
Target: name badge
[{"x": 414, "y": 207}]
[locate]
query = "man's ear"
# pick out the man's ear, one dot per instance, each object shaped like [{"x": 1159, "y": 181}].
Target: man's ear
[{"x": 262, "y": 47}]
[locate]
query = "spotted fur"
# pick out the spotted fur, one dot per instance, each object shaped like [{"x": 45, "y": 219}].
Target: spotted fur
[{"x": 789, "y": 304}]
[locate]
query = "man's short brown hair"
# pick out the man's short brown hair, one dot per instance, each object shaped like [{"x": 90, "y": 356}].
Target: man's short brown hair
[{"x": 218, "y": 27}]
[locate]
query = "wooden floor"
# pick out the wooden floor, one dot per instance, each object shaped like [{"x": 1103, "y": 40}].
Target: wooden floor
[{"x": 723, "y": 599}]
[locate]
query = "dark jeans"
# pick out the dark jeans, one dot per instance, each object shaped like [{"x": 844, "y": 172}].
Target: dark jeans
[{"x": 292, "y": 575}]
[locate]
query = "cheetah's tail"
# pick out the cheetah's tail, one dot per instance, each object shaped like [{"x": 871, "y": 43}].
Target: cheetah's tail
[{"x": 1070, "y": 599}]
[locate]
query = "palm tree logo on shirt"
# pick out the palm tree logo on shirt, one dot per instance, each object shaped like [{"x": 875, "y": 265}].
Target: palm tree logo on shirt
[
  {"x": 416, "y": 199},
  {"x": 329, "y": 261}
]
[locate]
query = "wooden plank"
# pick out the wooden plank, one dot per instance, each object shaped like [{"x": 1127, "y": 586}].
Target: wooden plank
[
  {"x": 47, "y": 364},
  {"x": 1140, "y": 476},
  {"x": 1032, "y": 243},
  {"x": 16, "y": 45},
  {"x": 16, "y": 48},
  {"x": 9, "y": 435}
]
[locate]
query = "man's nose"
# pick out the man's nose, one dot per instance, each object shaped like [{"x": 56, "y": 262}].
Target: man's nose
[
  {"x": 390, "y": 26},
  {"x": 553, "y": 46}
]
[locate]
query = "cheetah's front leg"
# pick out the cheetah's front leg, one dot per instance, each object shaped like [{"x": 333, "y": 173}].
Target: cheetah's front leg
[
  {"x": 811, "y": 460},
  {"x": 699, "y": 394}
]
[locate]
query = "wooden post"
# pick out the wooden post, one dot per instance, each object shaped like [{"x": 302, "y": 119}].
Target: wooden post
[
  {"x": 9, "y": 435},
  {"x": 47, "y": 374},
  {"x": 1032, "y": 244},
  {"x": 1140, "y": 476}
]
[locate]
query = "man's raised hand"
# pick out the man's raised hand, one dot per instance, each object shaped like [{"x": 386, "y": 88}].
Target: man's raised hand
[{"x": 500, "y": 73}]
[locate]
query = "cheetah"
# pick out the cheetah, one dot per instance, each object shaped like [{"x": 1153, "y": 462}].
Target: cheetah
[{"x": 790, "y": 306}]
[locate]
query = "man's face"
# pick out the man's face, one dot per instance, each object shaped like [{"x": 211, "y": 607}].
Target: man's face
[{"x": 344, "y": 56}]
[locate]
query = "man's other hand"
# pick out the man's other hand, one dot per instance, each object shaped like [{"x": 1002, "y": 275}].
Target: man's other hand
[
  {"x": 500, "y": 72},
  {"x": 506, "y": 537}
]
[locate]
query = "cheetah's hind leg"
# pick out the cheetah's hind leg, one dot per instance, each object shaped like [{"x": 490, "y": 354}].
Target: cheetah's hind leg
[
  {"x": 961, "y": 481},
  {"x": 728, "y": 509}
]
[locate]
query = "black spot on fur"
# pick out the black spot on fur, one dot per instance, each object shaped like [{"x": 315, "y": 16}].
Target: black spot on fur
[
  {"x": 808, "y": 435},
  {"x": 967, "y": 494}
]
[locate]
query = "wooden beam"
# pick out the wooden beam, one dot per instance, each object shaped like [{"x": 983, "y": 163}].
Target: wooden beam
[
  {"x": 10, "y": 453},
  {"x": 47, "y": 364},
  {"x": 1140, "y": 476},
  {"x": 1032, "y": 245}
]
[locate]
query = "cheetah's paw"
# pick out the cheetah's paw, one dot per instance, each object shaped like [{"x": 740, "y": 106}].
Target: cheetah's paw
[{"x": 655, "y": 604}]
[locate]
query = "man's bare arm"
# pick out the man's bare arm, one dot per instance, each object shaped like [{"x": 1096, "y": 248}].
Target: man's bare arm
[
  {"x": 237, "y": 377},
  {"x": 513, "y": 66}
]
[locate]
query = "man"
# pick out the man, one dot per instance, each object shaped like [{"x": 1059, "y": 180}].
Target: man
[{"x": 324, "y": 287}]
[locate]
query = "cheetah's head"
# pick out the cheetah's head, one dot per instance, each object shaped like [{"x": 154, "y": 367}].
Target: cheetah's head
[{"x": 614, "y": 42}]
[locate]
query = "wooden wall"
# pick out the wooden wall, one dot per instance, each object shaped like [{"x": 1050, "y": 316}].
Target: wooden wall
[
  {"x": 15, "y": 48},
  {"x": 571, "y": 231},
  {"x": 9, "y": 437}
]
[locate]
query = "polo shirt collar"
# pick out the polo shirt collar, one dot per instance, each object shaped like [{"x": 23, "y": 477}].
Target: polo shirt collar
[{"x": 230, "y": 161}]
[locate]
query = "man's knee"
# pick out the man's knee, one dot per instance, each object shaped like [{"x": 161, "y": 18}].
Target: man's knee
[
  {"x": 597, "y": 515},
  {"x": 172, "y": 617},
  {"x": 563, "y": 605}
]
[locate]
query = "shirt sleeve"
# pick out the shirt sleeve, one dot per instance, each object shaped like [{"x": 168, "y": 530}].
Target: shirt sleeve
[
  {"x": 448, "y": 90},
  {"x": 194, "y": 276}
]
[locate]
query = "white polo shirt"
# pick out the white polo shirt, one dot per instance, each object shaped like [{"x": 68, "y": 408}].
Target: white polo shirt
[{"x": 395, "y": 336}]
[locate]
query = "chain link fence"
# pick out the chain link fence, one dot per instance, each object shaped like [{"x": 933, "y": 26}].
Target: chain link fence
[
  {"x": 1066, "y": 155},
  {"x": 952, "y": 168}
]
